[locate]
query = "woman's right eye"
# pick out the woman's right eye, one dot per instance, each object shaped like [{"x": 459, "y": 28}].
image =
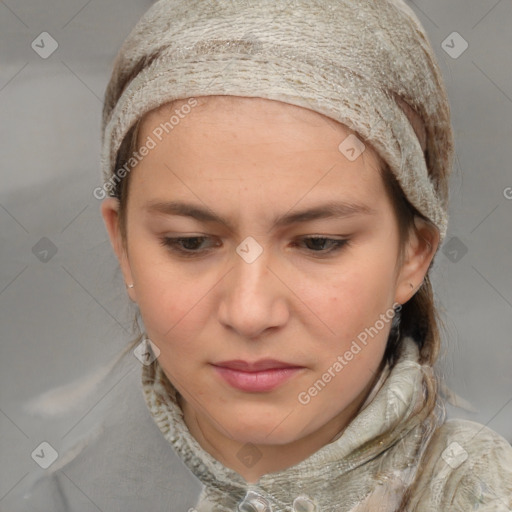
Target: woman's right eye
[{"x": 185, "y": 246}]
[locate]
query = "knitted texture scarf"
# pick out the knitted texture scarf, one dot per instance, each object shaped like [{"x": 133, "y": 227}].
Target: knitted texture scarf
[
  {"x": 369, "y": 466},
  {"x": 368, "y": 65}
]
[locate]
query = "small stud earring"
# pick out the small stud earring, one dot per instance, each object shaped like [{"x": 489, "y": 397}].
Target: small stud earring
[{"x": 129, "y": 285}]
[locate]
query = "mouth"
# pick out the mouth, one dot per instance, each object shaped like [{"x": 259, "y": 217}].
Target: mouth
[
  {"x": 259, "y": 376},
  {"x": 256, "y": 366}
]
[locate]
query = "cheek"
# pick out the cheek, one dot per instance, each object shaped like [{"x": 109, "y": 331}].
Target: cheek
[
  {"x": 349, "y": 298},
  {"x": 167, "y": 298}
]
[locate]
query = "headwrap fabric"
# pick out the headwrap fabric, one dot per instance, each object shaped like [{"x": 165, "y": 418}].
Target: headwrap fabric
[{"x": 359, "y": 63}]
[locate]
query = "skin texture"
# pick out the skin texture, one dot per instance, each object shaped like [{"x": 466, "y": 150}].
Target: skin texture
[{"x": 250, "y": 160}]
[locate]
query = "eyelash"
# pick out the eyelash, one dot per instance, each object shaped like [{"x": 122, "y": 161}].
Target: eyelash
[{"x": 173, "y": 245}]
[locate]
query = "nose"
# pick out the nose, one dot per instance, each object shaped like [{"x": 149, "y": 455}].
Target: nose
[{"x": 254, "y": 298}]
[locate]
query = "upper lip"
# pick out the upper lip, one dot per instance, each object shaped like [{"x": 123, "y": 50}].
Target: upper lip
[{"x": 256, "y": 366}]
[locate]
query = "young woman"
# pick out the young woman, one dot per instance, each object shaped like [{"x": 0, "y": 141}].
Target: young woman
[{"x": 278, "y": 182}]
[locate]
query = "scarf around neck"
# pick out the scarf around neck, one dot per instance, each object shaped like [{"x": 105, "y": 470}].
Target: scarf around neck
[{"x": 369, "y": 466}]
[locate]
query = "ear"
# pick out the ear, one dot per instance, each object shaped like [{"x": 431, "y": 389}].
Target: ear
[
  {"x": 419, "y": 252},
  {"x": 110, "y": 214}
]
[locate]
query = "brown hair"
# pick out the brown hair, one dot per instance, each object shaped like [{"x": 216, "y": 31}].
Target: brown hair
[{"x": 419, "y": 317}]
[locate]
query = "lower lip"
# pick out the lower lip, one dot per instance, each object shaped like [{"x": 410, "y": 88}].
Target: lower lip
[{"x": 264, "y": 380}]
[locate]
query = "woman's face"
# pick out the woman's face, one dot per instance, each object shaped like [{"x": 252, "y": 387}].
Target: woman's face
[{"x": 251, "y": 182}]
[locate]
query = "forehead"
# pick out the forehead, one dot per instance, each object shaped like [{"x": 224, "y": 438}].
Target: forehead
[{"x": 259, "y": 142}]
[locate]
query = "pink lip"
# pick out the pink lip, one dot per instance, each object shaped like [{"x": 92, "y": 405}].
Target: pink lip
[
  {"x": 256, "y": 366},
  {"x": 263, "y": 375}
]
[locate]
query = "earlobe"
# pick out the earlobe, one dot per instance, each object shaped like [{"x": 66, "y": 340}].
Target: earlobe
[{"x": 420, "y": 251}]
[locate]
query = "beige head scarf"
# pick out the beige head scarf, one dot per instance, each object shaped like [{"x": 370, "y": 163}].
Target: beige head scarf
[{"x": 366, "y": 64}]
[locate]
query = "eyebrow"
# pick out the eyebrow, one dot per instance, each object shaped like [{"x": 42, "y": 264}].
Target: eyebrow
[{"x": 331, "y": 209}]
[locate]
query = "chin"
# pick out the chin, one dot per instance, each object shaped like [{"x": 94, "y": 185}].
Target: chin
[
  {"x": 257, "y": 429},
  {"x": 265, "y": 437}
]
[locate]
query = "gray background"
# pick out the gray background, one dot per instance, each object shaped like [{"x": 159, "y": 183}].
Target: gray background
[{"x": 64, "y": 314}]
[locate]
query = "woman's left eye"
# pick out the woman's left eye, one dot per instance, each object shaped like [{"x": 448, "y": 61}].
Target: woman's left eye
[
  {"x": 191, "y": 246},
  {"x": 318, "y": 241}
]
